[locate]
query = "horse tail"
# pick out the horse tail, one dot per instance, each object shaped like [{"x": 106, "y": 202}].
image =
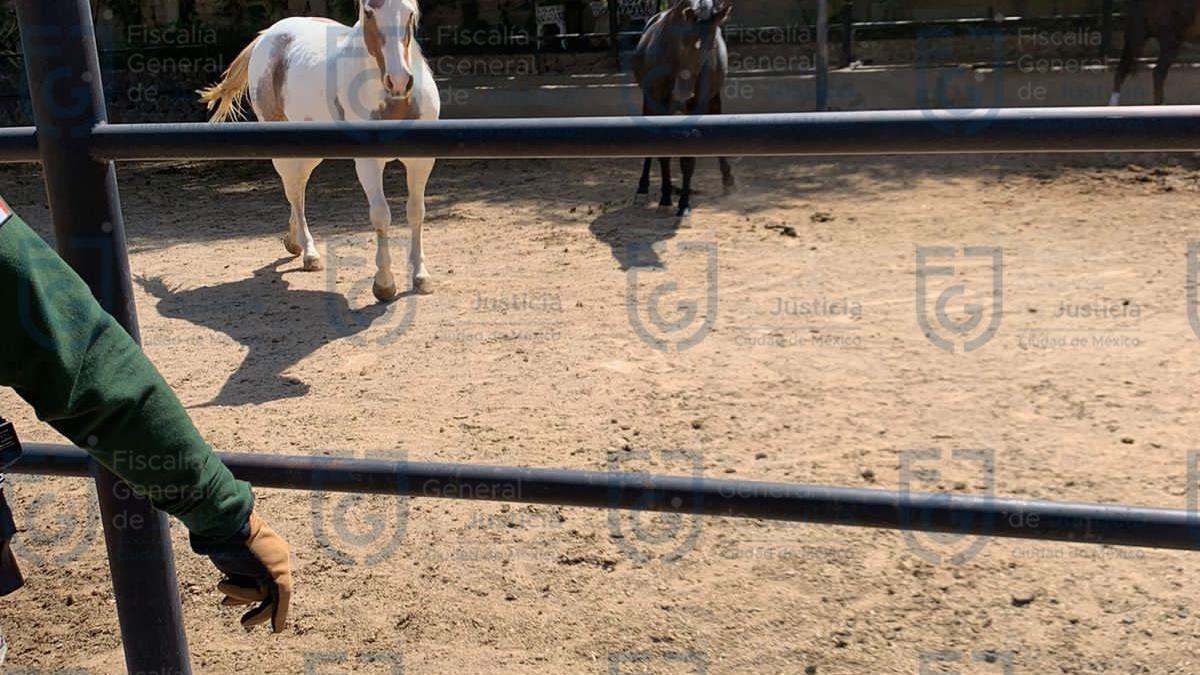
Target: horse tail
[{"x": 226, "y": 96}]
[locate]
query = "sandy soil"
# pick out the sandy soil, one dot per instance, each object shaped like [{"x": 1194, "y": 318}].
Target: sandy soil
[{"x": 526, "y": 354}]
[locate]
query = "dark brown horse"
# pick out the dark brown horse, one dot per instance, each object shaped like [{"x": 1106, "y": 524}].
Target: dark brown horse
[
  {"x": 1171, "y": 22},
  {"x": 680, "y": 65}
]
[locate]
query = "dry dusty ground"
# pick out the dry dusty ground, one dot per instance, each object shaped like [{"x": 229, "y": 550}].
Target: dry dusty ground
[{"x": 526, "y": 355}]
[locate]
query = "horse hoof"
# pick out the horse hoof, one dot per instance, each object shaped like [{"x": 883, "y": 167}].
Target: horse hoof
[
  {"x": 423, "y": 285},
  {"x": 684, "y": 216},
  {"x": 314, "y": 263},
  {"x": 291, "y": 246},
  {"x": 384, "y": 293},
  {"x": 641, "y": 199}
]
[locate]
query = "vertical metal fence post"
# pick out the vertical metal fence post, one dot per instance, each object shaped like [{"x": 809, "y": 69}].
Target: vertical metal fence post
[
  {"x": 63, "y": 67},
  {"x": 822, "y": 55}
]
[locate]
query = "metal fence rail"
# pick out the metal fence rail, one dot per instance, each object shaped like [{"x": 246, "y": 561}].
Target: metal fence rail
[
  {"x": 699, "y": 495},
  {"x": 1023, "y": 130}
]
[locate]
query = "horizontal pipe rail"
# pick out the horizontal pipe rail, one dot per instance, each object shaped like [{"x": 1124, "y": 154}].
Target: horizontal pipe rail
[
  {"x": 958, "y": 514},
  {"x": 1155, "y": 128},
  {"x": 19, "y": 144},
  {"x": 932, "y": 131}
]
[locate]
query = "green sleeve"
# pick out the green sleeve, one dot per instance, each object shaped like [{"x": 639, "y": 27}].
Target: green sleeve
[{"x": 88, "y": 379}]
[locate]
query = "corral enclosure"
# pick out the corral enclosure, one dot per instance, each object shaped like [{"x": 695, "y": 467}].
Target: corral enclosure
[
  {"x": 816, "y": 371},
  {"x": 784, "y": 334}
]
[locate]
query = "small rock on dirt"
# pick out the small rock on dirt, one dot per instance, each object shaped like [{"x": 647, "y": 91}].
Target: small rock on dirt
[
  {"x": 781, "y": 228},
  {"x": 1022, "y": 598}
]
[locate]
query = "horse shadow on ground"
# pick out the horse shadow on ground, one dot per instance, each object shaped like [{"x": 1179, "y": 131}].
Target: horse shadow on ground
[
  {"x": 279, "y": 326},
  {"x": 634, "y": 233}
]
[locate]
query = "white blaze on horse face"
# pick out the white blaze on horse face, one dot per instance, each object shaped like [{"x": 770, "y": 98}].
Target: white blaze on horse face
[{"x": 388, "y": 27}]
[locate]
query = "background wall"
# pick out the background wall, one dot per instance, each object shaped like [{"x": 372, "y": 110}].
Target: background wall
[{"x": 156, "y": 53}]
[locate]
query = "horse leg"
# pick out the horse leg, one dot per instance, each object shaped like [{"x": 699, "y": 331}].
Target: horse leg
[
  {"x": 1168, "y": 49},
  {"x": 370, "y": 176},
  {"x": 664, "y": 167},
  {"x": 1135, "y": 41},
  {"x": 643, "y": 189},
  {"x": 727, "y": 183},
  {"x": 295, "y": 174},
  {"x": 688, "y": 164},
  {"x": 418, "y": 171}
]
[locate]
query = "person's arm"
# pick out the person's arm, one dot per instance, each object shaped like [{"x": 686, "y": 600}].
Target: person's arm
[
  {"x": 84, "y": 376},
  {"x": 87, "y": 378}
]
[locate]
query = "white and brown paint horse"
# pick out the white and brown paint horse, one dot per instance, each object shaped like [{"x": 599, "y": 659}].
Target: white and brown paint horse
[{"x": 315, "y": 69}]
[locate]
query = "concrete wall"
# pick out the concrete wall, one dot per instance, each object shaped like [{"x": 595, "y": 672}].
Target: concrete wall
[
  {"x": 866, "y": 89},
  {"x": 540, "y": 96}
]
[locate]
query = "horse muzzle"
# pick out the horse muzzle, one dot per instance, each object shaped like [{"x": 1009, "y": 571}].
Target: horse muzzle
[{"x": 396, "y": 89}]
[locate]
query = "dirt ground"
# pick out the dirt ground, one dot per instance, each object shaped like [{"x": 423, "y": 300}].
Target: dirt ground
[{"x": 538, "y": 348}]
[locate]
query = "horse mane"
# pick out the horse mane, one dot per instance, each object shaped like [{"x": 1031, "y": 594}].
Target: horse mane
[{"x": 412, "y": 5}]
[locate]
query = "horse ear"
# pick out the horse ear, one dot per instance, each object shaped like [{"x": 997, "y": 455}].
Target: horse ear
[{"x": 724, "y": 13}]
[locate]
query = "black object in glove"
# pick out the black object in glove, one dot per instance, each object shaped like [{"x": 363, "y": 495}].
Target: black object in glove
[{"x": 257, "y": 570}]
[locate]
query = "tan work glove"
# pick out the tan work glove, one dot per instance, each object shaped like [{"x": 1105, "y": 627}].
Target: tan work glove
[{"x": 257, "y": 572}]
